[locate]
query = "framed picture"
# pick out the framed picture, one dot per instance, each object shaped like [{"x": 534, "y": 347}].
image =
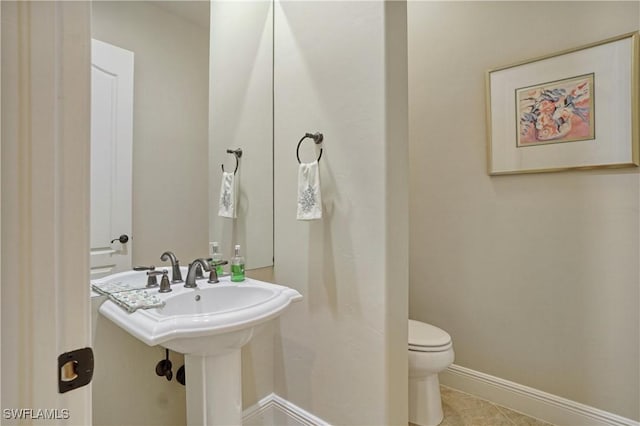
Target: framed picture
[{"x": 577, "y": 109}]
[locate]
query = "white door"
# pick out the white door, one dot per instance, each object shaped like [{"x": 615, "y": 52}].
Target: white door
[
  {"x": 111, "y": 150},
  {"x": 45, "y": 223}
]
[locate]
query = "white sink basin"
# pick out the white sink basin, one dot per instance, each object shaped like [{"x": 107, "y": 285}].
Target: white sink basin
[
  {"x": 216, "y": 300},
  {"x": 206, "y": 320},
  {"x": 209, "y": 325}
]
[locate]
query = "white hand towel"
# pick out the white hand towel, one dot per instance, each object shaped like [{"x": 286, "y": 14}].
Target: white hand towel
[
  {"x": 309, "y": 199},
  {"x": 227, "y": 196}
]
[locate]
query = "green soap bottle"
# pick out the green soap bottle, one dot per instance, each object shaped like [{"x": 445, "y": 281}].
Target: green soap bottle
[
  {"x": 237, "y": 266},
  {"x": 216, "y": 256}
]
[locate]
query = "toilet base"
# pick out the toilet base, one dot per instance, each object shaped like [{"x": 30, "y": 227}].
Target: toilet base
[{"x": 425, "y": 405}]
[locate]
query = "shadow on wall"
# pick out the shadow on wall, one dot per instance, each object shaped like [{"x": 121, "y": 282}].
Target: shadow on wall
[
  {"x": 299, "y": 360},
  {"x": 126, "y": 389},
  {"x": 322, "y": 273}
]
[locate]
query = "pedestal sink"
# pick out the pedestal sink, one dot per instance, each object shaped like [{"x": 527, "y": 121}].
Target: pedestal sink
[{"x": 209, "y": 325}]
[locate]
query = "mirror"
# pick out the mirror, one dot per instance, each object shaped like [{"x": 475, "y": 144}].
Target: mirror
[
  {"x": 185, "y": 117},
  {"x": 241, "y": 116}
]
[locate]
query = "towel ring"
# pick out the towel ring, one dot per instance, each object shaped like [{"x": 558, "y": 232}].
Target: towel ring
[
  {"x": 237, "y": 153},
  {"x": 317, "y": 138}
]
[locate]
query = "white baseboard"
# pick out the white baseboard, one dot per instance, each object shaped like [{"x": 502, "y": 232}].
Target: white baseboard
[
  {"x": 529, "y": 401},
  {"x": 274, "y": 410}
]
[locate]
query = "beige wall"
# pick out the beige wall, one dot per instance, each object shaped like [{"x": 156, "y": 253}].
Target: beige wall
[
  {"x": 170, "y": 148},
  {"x": 170, "y": 187},
  {"x": 534, "y": 276},
  {"x": 341, "y": 352},
  {"x": 126, "y": 389}
]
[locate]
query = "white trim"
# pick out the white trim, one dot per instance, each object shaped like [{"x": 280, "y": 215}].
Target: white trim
[
  {"x": 268, "y": 408},
  {"x": 262, "y": 408},
  {"x": 532, "y": 402}
]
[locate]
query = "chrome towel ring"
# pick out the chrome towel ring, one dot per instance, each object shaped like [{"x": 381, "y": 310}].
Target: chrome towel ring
[
  {"x": 317, "y": 139},
  {"x": 237, "y": 153}
]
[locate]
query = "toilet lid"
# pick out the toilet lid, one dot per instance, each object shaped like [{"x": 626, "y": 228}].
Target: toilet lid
[{"x": 426, "y": 337}]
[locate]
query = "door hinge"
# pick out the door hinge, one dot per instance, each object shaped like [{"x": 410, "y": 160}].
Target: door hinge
[{"x": 75, "y": 369}]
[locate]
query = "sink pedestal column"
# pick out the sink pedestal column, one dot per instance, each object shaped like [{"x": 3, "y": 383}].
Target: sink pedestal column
[{"x": 214, "y": 389}]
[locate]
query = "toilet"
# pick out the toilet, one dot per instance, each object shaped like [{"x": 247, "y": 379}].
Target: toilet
[{"x": 430, "y": 352}]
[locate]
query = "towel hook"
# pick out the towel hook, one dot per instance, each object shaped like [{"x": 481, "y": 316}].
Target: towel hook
[
  {"x": 317, "y": 139},
  {"x": 237, "y": 153}
]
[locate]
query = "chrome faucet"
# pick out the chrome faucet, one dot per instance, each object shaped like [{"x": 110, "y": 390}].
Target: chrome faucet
[
  {"x": 191, "y": 273},
  {"x": 176, "y": 276}
]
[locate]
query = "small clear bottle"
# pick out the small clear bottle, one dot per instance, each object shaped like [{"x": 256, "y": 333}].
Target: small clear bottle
[
  {"x": 237, "y": 266},
  {"x": 216, "y": 256}
]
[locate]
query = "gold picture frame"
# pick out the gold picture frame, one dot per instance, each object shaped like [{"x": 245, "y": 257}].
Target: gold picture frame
[{"x": 572, "y": 110}]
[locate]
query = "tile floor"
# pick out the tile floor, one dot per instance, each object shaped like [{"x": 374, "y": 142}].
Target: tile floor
[{"x": 461, "y": 409}]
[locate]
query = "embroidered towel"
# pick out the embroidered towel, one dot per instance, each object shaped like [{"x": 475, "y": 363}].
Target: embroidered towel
[
  {"x": 309, "y": 198},
  {"x": 115, "y": 287},
  {"x": 133, "y": 300},
  {"x": 227, "y": 196}
]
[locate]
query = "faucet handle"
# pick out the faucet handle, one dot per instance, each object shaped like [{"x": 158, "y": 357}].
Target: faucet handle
[
  {"x": 152, "y": 281},
  {"x": 217, "y": 262},
  {"x": 165, "y": 285},
  {"x": 144, "y": 268},
  {"x": 213, "y": 272}
]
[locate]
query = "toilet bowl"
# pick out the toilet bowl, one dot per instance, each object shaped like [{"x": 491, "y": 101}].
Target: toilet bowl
[{"x": 430, "y": 352}]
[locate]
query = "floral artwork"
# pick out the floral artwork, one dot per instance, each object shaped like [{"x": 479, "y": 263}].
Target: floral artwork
[{"x": 561, "y": 111}]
